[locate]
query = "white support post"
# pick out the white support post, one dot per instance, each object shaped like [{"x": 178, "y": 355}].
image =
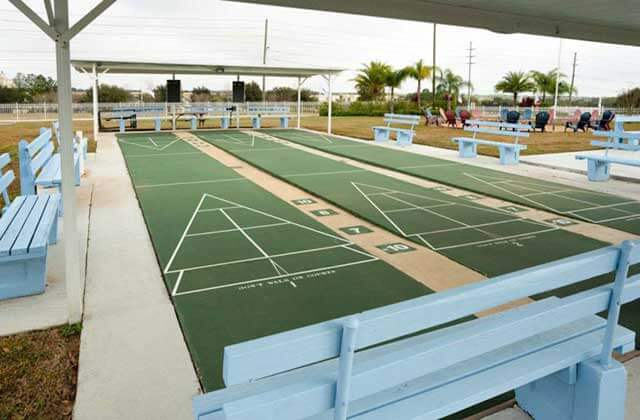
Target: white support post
[
  {"x": 96, "y": 125},
  {"x": 555, "y": 96},
  {"x": 330, "y": 98},
  {"x": 73, "y": 276},
  {"x": 299, "y": 99}
]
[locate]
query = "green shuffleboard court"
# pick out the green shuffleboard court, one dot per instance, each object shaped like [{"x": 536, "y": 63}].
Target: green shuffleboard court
[
  {"x": 590, "y": 206},
  {"x": 490, "y": 241},
  {"x": 238, "y": 262}
]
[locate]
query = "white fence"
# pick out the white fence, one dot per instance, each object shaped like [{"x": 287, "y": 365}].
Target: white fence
[{"x": 84, "y": 111}]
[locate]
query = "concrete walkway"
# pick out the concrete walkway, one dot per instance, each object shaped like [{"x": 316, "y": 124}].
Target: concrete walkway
[{"x": 134, "y": 363}]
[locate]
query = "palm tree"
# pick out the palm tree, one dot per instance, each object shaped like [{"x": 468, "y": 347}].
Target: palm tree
[
  {"x": 371, "y": 81},
  {"x": 450, "y": 84},
  {"x": 394, "y": 79},
  {"x": 515, "y": 82},
  {"x": 545, "y": 83},
  {"x": 419, "y": 71}
]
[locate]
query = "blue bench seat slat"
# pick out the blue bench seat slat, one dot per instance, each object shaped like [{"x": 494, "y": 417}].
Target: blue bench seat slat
[
  {"x": 16, "y": 225},
  {"x": 483, "y": 130},
  {"x": 23, "y": 241},
  {"x": 243, "y": 361},
  {"x": 12, "y": 211},
  {"x": 4, "y": 160},
  {"x": 49, "y": 215},
  {"x": 6, "y": 179},
  {"x": 502, "y": 377},
  {"x": 610, "y": 159}
]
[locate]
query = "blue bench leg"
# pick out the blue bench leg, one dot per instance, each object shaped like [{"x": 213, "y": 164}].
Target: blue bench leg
[
  {"x": 598, "y": 170},
  {"x": 467, "y": 149},
  {"x": 380, "y": 135},
  {"x": 255, "y": 122},
  {"x": 284, "y": 122},
  {"x": 509, "y": 156},
  {"x": 23, "y": 277},
  {"x": 157, "y": 124},
  {"x": 404, "y": 138},
  {"x": 194, "y": 123},
  {"x": 593, "y": 393},
  {"x": 121, "y": 125},
  {"x": 224, "y": 122}
]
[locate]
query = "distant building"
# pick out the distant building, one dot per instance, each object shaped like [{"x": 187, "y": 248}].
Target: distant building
[
  {"x": 345, "y": 97},
  {"x": 5, "y": 81}
]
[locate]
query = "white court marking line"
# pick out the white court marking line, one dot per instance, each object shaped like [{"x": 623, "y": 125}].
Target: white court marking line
[
  {"x": 435, "y": 165},
  {"x": 279, "y": 269},
  {"x": 413, "y": 208},
  {"x": 177, "y": 285},
  {"x": 213, "y": 232},
  {"x": 572, "y": 212},
  {"x": 171, "y": 184},
  {"x": 497, "y": 239},
  {"x": 197, "y": 210},
  {"x": 473, "y": 226},
  {"x": 157, "y": 148},
  {"x": 351, "y": 171},
  {"x": 457, "y": 203},
  {"x": 379, "y": 210},
  {"x": 245, "y": 260},
  {"x": 154, "y": 143},
  {"x": 428, "y": 211},
  {"x": 164, "y": 154},
  {"x": 186, "y": 229},
  {"x": 206, "y": 289},
  {"x": 218, "y": 208}
]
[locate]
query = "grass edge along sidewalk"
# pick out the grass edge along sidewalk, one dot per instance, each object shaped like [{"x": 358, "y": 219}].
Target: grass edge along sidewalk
[
  {"x": 279, "y": 160},
  {"x": 210, "y": 227},
  {"x": 586, "y": 205}
]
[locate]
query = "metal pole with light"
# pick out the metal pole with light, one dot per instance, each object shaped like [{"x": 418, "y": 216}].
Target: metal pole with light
[{"x": 59, "y": 31}]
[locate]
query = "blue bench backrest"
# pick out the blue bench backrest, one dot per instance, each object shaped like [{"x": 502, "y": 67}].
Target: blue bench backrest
[
  {"x": 314, "y": 391},
  {"x": 6, "y": 179},
  {"x": 616, "y": 140},
  {"x": 497, "y": 128},
  {"x": 33, "y": 156},
  {"x": 411, "y": 120},
  {"x": 267, "y": 109}
]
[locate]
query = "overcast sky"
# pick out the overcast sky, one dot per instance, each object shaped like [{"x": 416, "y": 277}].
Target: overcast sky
[{"x": 222, "y": 32}]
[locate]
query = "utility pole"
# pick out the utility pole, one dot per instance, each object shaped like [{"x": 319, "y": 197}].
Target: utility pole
[
  {"x": 264, "y": 59},
  {"x": 573, "y": 76},
  {"x": 433, "y": 70},
  {"x": 470, "y": 63}
]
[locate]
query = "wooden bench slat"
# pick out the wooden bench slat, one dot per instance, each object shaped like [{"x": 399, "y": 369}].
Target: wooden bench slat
[
  {"x": 630, "y": 135},
  {"x": 6, "y": 179},
  {"x": 16, "y": 225},
  {"x": 517, "y": 126},
  {"x": 41, "y": 236},
  {"x": 245, "y": 361},
  {"x": 23, "y": 241},
  {"x": 508, "y": 133},
  {"x": 39, "y": 142},
  {"x": 490, "y": 382},
  {"x": 12, "y": 211},
  {"x": 4, "y": 160},
  {"x": 50, "y": 173},
  {"x": 42, "y": 158},
  {"x": 616, "y": 145}
]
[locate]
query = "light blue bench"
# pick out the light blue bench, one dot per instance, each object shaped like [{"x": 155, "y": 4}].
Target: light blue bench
[
  {"x": 28, "y": 225},
  {"x": 599, "y": 166},
  {"x": 509, "y": 152},
  {"x": 123, "y": 114},
  {"x": 41, "y": 166},
  {"x": 404, "y": 136},
  {"x": 256, "y": 112},
  {"x": 200, "y": 113},
  {"x": 80, "y": 144},
  {"x": 555, "y": 352}
]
